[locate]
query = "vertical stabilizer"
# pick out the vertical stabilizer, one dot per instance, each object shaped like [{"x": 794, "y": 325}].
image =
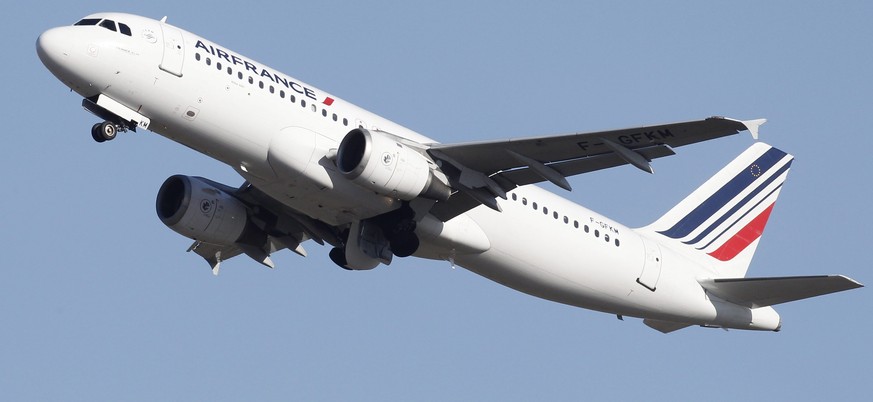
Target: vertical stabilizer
[{"x": 722, "y": 221}]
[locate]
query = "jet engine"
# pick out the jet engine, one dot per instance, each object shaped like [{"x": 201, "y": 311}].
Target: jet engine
[
  {"x": 198, "y": 210},
  {"x": 380, "y": 162}
]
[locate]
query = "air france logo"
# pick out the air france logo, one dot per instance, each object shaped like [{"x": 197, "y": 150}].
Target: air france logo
[
  {"x": 205, "y": 206},
  {"x": 260, "y": 71}
]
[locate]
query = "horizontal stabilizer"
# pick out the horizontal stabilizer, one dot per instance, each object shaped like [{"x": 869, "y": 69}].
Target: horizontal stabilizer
[
  {"x": 762, "y": 292},
  {"x": 665, "y": 326}
]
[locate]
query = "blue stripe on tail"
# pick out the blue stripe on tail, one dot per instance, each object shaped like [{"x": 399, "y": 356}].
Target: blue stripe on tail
[
  {"x": 724, "y": 195},
  {"x": 739, "y": 205}
]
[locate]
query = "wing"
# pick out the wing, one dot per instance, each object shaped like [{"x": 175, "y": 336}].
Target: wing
[
  {"x": 482, "y": 171},
  {"x": 278, "y": 228}
]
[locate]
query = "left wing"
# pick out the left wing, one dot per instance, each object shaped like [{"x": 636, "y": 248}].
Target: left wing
[
  {"x": 279, "y": 227},
  {"x": 480, "y": 172}
]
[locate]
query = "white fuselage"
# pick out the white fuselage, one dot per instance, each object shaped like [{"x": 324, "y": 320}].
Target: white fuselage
[{"x": 241, "y": 112}]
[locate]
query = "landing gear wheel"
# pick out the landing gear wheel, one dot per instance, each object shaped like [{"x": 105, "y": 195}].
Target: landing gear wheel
[
  {"x": 404, "y": 244},
  {"x": 108, "y": 131},
  {"x": 105, "y": 131},
  {"x": 338, "y": 256},
  {"x": 95, "y": 133}
]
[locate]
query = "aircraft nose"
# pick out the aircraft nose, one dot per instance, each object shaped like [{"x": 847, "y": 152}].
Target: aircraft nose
[{"x": 51, "y": 49}]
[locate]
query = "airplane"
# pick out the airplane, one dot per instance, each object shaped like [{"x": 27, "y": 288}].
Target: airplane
[{"x": 318, "y": 168}]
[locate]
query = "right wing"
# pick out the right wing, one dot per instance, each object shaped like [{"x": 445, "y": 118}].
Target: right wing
[{"x": 480, "y": 172}]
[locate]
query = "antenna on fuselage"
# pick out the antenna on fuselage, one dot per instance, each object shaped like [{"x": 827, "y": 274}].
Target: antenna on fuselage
[{"x": 164, "y": 20}]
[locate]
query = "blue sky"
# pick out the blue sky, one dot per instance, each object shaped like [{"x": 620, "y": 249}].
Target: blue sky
[{"x": 99, "y": 301}]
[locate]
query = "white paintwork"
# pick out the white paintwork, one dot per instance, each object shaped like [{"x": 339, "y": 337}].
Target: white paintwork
[{"x": 286, "y": 150}]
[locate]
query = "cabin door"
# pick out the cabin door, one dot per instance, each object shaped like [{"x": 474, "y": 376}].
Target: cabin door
[{"x": 174, "y": 50}]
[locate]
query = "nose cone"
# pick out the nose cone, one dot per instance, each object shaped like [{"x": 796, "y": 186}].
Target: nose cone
[{"x": 53, "y": 49}]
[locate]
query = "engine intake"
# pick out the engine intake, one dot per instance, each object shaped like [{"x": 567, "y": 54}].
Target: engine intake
[
  {"x": 198, "y": 210},
  {"x": 379, "y": 162}
]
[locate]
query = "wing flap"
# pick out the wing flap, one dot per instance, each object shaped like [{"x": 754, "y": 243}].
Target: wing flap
[
  {"x": 762, "y": 292},
  {"x": 524, "y": 176}
]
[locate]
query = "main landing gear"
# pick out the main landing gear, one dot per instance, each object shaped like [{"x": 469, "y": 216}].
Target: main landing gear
[
  {"x": 391, "y": 233},
  {"x": 106, "y": 131}
]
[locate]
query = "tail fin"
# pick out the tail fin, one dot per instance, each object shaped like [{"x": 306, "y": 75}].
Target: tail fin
[{"x": 722, "y": 221}]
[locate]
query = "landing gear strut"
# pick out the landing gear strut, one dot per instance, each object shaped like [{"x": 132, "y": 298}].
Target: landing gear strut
[{"x": 105, "y": 131}]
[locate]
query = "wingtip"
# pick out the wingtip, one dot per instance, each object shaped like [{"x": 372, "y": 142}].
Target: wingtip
[{"x": 751, "y": 125}]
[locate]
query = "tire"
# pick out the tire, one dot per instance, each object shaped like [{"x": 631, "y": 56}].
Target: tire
[
  {"x": 108, "y": 131},
  {"x": 95, "y": 133},
  {"x": 404, "y": 244},
  {"x": 338, "y": 256}
]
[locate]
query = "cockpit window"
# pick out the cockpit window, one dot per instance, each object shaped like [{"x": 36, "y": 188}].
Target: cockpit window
[
  {"x": 108, "y": 24},
  {"x": 88, "y": 21}
]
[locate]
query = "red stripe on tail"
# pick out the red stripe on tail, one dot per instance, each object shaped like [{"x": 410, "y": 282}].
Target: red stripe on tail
[{"x": 743, "y": 238}]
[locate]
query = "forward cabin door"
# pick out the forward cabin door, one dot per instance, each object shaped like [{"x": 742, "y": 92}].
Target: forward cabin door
[
  {"x": 651, "y": 265},
  {"x": 174, "y": 50}
]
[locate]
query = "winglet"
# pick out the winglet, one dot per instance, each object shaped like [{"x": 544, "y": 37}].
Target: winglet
[{"x": 751, "y": 125}]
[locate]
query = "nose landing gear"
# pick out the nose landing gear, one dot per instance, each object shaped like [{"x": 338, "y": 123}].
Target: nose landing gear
[{"x": 105, "y": 131}]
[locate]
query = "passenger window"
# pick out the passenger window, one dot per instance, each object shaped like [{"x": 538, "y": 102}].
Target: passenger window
[
  {"x": 585, "y": 229},
  {"x": 88, "y": 21},
  {"x": 523, "y": 200},
  {"x": 208, "y": 61},
  {"x": 514, "y": 197},
  {"x": 324, "y": 112},
  {"x": 292, "y": 98},
  {"x": 239, "y": 75},
  {"x": 334, "y": 117},
  {"x": 555, "y": 215},
  {"x": 197, "y": 56},
  {"x": 108, "y": 24},
  {"x": 229, "y": 71},
  {"x": 345, "y": 121},
  {"x": 617, "y": 244},
  {"x": 303, "y": 103},
  {"x": 251, "y": 80},
  {"x": 566, "y": 220},
  {"x": 261, "y": 84},
  {"x": 123, "y": 28},
  {"x": 606, "y": 237},
  {"x": 282, "y": 94},
  {"x": 545, "y": 211},
  {"x": 218, "y": 66},
  {"x": 535, "y": 206},
  {"x": 272, "y": 90},
  {"x": 596, "y": 233}
]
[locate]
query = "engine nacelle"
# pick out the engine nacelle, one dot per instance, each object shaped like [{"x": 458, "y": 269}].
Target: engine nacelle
[
  {"x": 198, "y": 210},
  {"x": 379, "y": 162}
]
